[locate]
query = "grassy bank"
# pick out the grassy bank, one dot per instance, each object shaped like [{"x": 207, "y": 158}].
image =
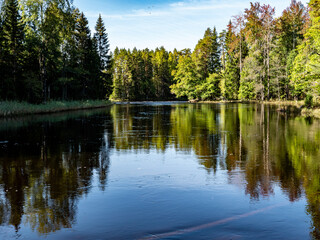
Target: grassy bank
[
  {"x": 284, "y": 106},
  {"x": 313, "y": 112},
  {"x": 8, "y": 108},
  {"x": 271, "y": 102}
]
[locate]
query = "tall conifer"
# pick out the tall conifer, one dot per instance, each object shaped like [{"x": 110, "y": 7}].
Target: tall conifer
[
  {"x": 101, "y": 37},
  {"x": 13, "y": 38}
]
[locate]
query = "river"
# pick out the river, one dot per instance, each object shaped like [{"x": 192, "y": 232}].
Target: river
[{"x": 161, "y": 171}]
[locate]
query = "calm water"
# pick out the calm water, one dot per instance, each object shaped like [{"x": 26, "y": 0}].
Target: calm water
[{"x": 161, "y": 171}]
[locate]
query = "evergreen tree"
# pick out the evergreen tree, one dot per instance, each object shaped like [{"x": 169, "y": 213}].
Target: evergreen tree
[
  {"x": 186, "y": 78},
  {"x": 234, "y": 49},
  {"x": 161, "y": 74},
  {"x": 84, "y": 46},
  {"x": 103, "y": 45},
  {"x": 147, "y": 87},
  {"x": 13, "y": 40},
  {"x": 206, "y": 54},
  {"x": 214, "y": 58},
  {"x": 103, "y": 48}
]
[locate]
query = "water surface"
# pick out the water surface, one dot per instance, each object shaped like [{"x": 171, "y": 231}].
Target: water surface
[{"x": 161, "y": 171}]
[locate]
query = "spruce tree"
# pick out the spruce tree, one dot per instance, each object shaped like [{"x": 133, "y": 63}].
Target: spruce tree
[
  {"x": 214, "y": 60},
  {"x": 83, "y": 45},
  {"x": 103, "y": 45},
  {"x": 103, "y": 49},
  {"x": 13, "y": 38}
]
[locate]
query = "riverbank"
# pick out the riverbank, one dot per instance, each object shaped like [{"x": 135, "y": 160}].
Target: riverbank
[
  {"x": 9, "y": 109},
  {"x": 299, "y": 106},
  {"x": 284, "y": 106},
  {"x": 279, "y": 103}
]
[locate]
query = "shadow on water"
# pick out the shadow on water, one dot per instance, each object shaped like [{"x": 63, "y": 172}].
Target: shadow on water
[{"x": 48, "y": 163}]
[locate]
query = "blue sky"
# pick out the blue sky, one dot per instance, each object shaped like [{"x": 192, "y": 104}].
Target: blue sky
[{"x": 169, "y": 23}]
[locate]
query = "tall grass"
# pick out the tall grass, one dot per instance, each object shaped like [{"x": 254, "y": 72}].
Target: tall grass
[{"x": 9, "y": 108}]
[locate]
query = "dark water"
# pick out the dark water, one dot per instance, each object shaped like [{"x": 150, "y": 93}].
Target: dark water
[{"x": 220, "y": 171}]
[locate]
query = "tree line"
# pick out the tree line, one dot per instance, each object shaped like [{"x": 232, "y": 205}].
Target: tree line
[
  {"x": 257, "y": 57},
  {"x": 47, "y": 52}
]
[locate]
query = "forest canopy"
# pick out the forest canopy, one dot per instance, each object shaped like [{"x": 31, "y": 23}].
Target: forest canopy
[{"x": 47, "y": 51}]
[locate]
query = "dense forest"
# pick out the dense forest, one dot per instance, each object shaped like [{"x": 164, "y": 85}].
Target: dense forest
[
  {"x": 47, "y": 51},
  {"x": 257, "y": 57}
]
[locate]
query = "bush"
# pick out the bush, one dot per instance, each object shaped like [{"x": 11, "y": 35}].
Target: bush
[{"x": 308, "y": 101}]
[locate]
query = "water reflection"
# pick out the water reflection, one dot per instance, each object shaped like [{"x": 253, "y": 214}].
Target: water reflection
[
  {"x": 47, "y": 166},
  {"x": 265, "y": 147}
]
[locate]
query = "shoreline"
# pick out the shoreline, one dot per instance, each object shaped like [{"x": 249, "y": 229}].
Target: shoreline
[
  {"x": 13, "y": 109},
  {"x": 283, "y": 106}
]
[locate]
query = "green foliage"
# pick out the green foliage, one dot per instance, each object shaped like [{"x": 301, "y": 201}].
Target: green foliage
[
  {"x": 186, "y": 78},
  {"x": 47, "y": 52},
  {"x": 206, "y": 54},
  {"x": 143, "y": 74},
  {"x": 235, "y": 51},
  {"x": 210, "y": 89},
  {"x": 308, "y": 101},
  {"x": 13, "y": 51},
  {"x": 251, "y": 86},
  {"x": 161, "y": 74},
  {"x": 103, "y": 46},
  {"x": 256, "y": 57},
  {"x": 122, "y": 76},
  {"x": 305, "y": 74}
]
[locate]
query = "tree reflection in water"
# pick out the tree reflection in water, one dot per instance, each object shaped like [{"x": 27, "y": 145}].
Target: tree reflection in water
[
  {"x": 255, "y": 141},
  {"x": 46, "y": 167}
]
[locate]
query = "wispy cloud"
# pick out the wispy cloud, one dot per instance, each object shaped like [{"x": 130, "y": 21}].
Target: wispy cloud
[
  {"x": 174, "y": 25},
  {"x": 173, "y": 9}
]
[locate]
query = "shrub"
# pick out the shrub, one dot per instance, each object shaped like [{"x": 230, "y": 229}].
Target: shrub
[{"x": 308, "y": 101}]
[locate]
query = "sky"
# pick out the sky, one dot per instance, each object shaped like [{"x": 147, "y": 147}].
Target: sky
[{"x": 170, "y": 23}]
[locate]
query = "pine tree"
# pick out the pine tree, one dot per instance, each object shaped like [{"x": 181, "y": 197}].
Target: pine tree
[{"x": 13, "y": 39}]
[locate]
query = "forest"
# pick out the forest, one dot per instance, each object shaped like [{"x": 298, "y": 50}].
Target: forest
[{"x": 48, "y": 52}]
